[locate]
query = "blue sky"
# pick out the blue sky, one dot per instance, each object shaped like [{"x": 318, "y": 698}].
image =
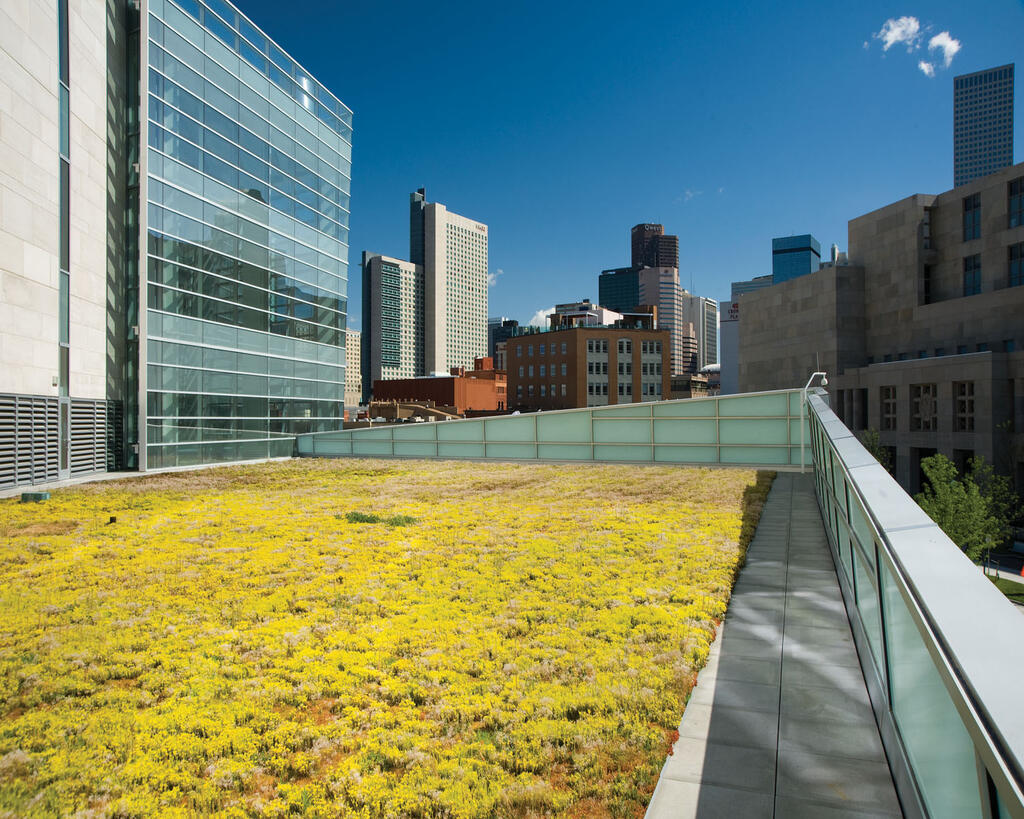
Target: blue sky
[{"x": 561, "y": 125}]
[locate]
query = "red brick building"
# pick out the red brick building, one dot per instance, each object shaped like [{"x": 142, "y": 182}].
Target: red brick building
[
  {"x": 587, "y": 367},
  {"x": 482, "y": 389}
]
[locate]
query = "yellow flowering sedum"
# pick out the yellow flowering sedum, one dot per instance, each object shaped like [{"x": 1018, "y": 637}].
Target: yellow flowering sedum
[{"x": 506, "y": 640}]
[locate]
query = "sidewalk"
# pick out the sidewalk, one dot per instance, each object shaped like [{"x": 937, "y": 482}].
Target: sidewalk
[{"x": 779, "y": 723}]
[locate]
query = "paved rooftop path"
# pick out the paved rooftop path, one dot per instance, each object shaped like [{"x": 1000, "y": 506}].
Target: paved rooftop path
[{"x": 779, "y": 724}]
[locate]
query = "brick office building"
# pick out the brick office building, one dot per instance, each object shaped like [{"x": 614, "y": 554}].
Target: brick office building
[
  {"x": 481, "y": 389},
  {"x": 587, "y": 367}
]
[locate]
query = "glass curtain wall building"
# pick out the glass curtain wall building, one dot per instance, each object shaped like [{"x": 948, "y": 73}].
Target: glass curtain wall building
[{"x": 244, "y": 175}]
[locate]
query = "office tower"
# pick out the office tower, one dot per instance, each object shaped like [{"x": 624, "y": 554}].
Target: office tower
[
  {"x": 982, "y": 123},
  {"x": 393, "y": 320},
  {"x": 427, "y": 316},
  {"x": 180, "y": 297},
  {"x": 499, "y": 330},
  {"x": 702, "y": 313},
  {"x": 652, "y": 248},
  {"x": 794, "y": 256},
  {"x": 353, "y": 370},
  {"x": 737, "y": 289}
]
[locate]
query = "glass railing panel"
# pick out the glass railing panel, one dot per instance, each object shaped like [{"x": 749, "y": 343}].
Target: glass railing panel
[
  {"x": 754, "y": 431},
  {"x": 696, "y": 431},
  {"x": 622, "y": 431},
  {"x": 939, "y": 749},
  {"x": 686, "y": 454},
  {"x": 561, "y": 426},
  {"x": 415, "y": 449},
  {"x": 566, "y": 452},
  {"x": 511, "y": 450},
  {"x": 867, "y": 600},
  {"x": 459, "y": 450},
  {"x": 530, "y": 427},
  {"x": 755, "y": 405},
  {"x": 697, "y": 408},
  {"x": 461, "y": 431}
]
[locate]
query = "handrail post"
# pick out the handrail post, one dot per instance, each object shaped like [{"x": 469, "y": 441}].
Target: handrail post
[{"x": 803, "y": 410}]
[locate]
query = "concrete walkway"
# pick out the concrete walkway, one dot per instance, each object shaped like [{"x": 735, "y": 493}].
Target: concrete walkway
[{"x": 779, "y": 724}]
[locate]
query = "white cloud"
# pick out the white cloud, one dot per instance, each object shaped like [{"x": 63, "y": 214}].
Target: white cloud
[
  {"x": 947, "y": 45},
  {"x": 900, "y": 30},
  {"x": 492, "y": 278},
  {"x": 721, "y": 190},
  {"x": 926, "y": 68},
  {"x": 867, "y": 45},
  {"x": 540, "y": 318}
]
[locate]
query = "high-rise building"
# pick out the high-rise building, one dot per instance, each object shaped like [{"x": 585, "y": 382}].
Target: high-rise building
[
  {"x": 702, "y": 313},
  {"x": 499, "y": 330},
  {"x": 737, "y": 289},
  {"x": 794, "y": 256},
  {"x": 982, "y": 123},
  {"x": 353, "y": 370},
  {"x": 175, "y": 285},
  {"x": 393, "y": 320},
  {"x": 427, "y": 316},
  {"x": 651, "y": 247}
]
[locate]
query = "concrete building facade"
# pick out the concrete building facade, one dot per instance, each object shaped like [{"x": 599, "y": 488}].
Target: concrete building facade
[
  {"x": 702, "y": 313},
  {"x": 921, "y": 335},
  {"x": 175, "y": 226},
  {"x": 982, "y": 123},
  {"x": 587, "y": 366}
]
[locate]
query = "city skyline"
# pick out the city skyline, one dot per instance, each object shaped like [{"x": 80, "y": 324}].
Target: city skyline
[{"x": 751, "y": 141}]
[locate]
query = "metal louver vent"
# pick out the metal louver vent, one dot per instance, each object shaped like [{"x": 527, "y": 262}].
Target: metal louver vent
[
  {"x": 88, "y": 436},
  {"x": 28, "y": 439}
]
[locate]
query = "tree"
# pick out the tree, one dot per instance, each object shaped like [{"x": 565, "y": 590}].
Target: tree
[
  {"x": 959, "y": 507},
  {"x": 873, "y": 444}
]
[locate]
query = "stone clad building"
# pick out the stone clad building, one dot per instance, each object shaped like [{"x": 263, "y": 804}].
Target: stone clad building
[{"x": 922, "y": 334}]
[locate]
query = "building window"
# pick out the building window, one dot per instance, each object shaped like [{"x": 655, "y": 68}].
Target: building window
[
  {"x": 590, "y": 388},
  {"x": 521, "y": 370},
  {"x": 542, "y": 349},
  {"x": 529, "y": 371},
  {"x": 529, "y": 350},
  {"x": 564, "y": 348},
  {"x": 529, "y": 390},
  {"x": 563, "y": 391},
  {"x": 543, "y": 391},
  {"x": 887, "y": 408},
  {"x": 519, "y": 390},
  {"x": 923, "y": 409},
  {"x": 1015, "y": 203},
  {"x": 1016, "y": 271},
  {"x": 519, "y": 351},
  {"x": 542, "y": 369},
  {"x": 590, "y": 345},
  {"x": 565, "y": 369},
  {"x": 972, "y": 217},
  {"x": 963, "y": 397},
  {"x": 972, "y": 275},
  {"x": 625, "y": 346}
]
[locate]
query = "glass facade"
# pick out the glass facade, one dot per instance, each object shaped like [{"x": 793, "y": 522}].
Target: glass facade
[
  {"x": 247, "y": 165},
  {"x": 794, "y": 256}
]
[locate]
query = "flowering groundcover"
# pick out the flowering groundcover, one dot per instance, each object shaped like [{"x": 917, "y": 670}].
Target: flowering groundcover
[{"x": 360, "y": 638}]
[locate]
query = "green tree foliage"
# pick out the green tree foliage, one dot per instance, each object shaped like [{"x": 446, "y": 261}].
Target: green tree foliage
[
  {"x": 974, "y": 509},
  {"x": 873, "y": 444}
]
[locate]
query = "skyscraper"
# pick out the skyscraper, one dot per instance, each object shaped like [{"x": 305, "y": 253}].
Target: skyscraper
[
  {"x": 187, "y": 303},
  {"x": 702, "y": 313},
  {"x": 794, "y": 256},
  {"x": 428, "y": 314},
  {"x": 651, "y": 247},
  {"x": 982, "y": 123}
]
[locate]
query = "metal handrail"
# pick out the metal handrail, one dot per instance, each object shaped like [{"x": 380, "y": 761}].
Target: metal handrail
[{"x": 980, "y": 668}]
